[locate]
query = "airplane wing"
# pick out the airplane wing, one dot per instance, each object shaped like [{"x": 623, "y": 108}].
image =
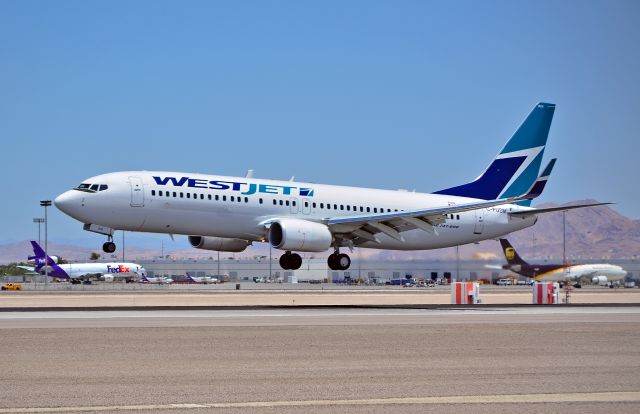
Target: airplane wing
[
  {"x": 537, "y": 211},
  {"x": 362, "y": 228},
  {"x": 30, "y": 269}
]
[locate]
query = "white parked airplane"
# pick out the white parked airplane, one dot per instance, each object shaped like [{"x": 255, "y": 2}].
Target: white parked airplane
[
  {"x": 156, "y": 280},
  {"x": 79, "y": 271},
  {"x": 229, "y": 213},
  {"x": 202, "y": 279}
]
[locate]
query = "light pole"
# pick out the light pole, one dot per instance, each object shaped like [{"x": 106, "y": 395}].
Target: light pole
[
  {"x": 45, "y": 204},
  {"x": 39, "y": 221}
]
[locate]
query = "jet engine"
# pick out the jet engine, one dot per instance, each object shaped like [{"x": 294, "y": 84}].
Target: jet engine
[
  {"x": 108, "y": 278},
  {"x": 599, "y": 280},
  {"x": 299, "y": 235},
  {"x": 221, "y": 244}
]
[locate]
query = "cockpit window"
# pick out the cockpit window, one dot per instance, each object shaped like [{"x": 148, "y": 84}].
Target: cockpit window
[
  {"x": 91, "y": 188},
  {"x": 84, "y": 187}
]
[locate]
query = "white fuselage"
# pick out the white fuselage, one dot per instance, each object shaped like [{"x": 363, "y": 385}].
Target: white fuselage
[
  {"x": 238, "y": 207},
  {"x": 583, "y": 272},
  {"x": 114, "y": 269}
]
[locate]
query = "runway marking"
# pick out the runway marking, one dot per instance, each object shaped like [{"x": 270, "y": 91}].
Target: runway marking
[{"x": 602, "y": 397}]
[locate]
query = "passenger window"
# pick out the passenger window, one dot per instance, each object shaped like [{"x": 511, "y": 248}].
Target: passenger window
[
  {"x": 314, "y": 204},
  {"x": 181, "y": 194},
  {"x": 260, "y": 201},
  {"x": 375, "y": 209},
  {"x": 175, "y": 194},
  {"x": 361, "y": 209},
  {"x": 341, "y": 206},
  {"x": 368, "y": 209},
  {"x": 246, "y": 199},
  {"x": 458, "y": 216},
  {"x": 348, "y": 208},
  {"x": 280, "y": 201},
  {"x": 153, "y": 192},
  {"x": 328, "y": 206},
  {"x": 232, "y": 198},
  {"x": 294, "y": 203},
  {"x": 306, "y": 204},
  {"x": 274, "y": 202},
  {"x": 287, "y": 203},
  {"x": 160, "y": 193},
  {"x": 201, "y": 196},
  {"x": 188, "y": 195},
  {"x": 321, "y": 205},
  {"x": 224, "y": 198},
  {"x": 217, "y": 197},
  {"x": 209, "y": 196},
  {"x": 335, "y": 206}
]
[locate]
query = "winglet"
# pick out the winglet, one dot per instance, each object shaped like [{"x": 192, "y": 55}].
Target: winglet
[{"x": 538, "y": 186}]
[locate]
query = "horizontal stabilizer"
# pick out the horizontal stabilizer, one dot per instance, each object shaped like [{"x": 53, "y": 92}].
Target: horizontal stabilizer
[{"x": 537, "y": 211}]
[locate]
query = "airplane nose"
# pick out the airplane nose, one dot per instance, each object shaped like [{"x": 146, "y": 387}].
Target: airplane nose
[{"x": 66, "y": 202}]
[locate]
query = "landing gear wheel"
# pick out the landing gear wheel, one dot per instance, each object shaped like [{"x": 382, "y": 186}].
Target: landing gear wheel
[
  {"x": 290, "y": 261},
  {"x": 332, "y": 262},
  {"x": 343, "y": 261},
  {"x": 284, "y": 261},
  {"x": 295, "y": 261},
  {"x": 109, "y": 247}
]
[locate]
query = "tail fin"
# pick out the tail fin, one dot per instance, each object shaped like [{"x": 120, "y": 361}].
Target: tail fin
[
  {"x": 515, "y": 169},
  {"x": 38, "y": 253},
  {"x": 513, "y": 258}
]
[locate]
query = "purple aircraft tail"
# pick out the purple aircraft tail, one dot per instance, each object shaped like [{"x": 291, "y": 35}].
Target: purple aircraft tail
[{"x": 37, "y": 251}]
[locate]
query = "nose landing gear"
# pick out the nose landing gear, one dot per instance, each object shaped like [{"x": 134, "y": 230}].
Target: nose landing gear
[{"x": 109, "y": 246}]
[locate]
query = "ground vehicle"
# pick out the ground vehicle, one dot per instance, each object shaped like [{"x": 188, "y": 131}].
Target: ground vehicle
[
  {"x": 12, "y": 286},
  {"x": 504, "y": 282}
]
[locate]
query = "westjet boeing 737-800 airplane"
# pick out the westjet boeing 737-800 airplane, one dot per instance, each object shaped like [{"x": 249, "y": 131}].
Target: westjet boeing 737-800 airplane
[{"x": 229, "y": 213}]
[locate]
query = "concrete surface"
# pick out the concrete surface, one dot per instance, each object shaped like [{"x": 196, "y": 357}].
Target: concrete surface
[
  {"x": 556, "y": 359},
  {"x": 407, "y": 296}
]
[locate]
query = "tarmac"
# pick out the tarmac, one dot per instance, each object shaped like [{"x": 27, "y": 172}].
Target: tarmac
[
  {"x": 489, "y": 359},
  {"x": 289, "y": 295}
]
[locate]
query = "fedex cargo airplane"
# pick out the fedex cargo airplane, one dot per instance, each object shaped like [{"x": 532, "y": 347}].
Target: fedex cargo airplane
[
  {"x": 598, "y": 273},
  {"x": 78, "y": 271},
  {"x": 230, "y": 213}
]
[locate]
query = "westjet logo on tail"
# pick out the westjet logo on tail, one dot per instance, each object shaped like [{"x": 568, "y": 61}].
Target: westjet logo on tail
[
  {"x": 117, "y": 269},
  {"x": 241, "y": 187}
]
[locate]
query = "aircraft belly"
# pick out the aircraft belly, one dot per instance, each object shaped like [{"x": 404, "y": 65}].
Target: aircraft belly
[{"x": 202, "y": 223}]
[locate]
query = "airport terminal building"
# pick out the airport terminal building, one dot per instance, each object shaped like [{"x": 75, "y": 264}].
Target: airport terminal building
[{"x": 372, "y": 271}]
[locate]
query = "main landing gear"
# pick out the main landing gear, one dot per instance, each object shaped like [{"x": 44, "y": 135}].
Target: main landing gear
[
  {"x": 290, "y": 261},
  {"x": 338, "y": 261},
  {"x": 109, "y": 246}
]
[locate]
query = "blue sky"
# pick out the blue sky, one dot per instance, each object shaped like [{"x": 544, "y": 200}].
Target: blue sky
[{"x": 397, "y": 94}]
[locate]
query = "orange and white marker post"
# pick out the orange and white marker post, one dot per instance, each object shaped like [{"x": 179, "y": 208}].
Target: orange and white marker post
[
  {"x": 546, "y": 293},
  {"x": 465, "y": 293}
]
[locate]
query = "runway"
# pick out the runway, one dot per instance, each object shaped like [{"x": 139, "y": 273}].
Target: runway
[{"x": 535, "y": 359}]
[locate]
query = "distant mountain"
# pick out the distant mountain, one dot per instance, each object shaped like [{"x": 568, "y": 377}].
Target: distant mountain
[{"x": 598, "y": 233}]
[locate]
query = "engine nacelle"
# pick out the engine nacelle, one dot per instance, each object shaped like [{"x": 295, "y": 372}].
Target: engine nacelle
[
  {"x": 108, "y": 278},
  {"x": 599, "y": 280},
  {"x": 220, "y": 244},
  {"x": 300, "y": 235}
]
